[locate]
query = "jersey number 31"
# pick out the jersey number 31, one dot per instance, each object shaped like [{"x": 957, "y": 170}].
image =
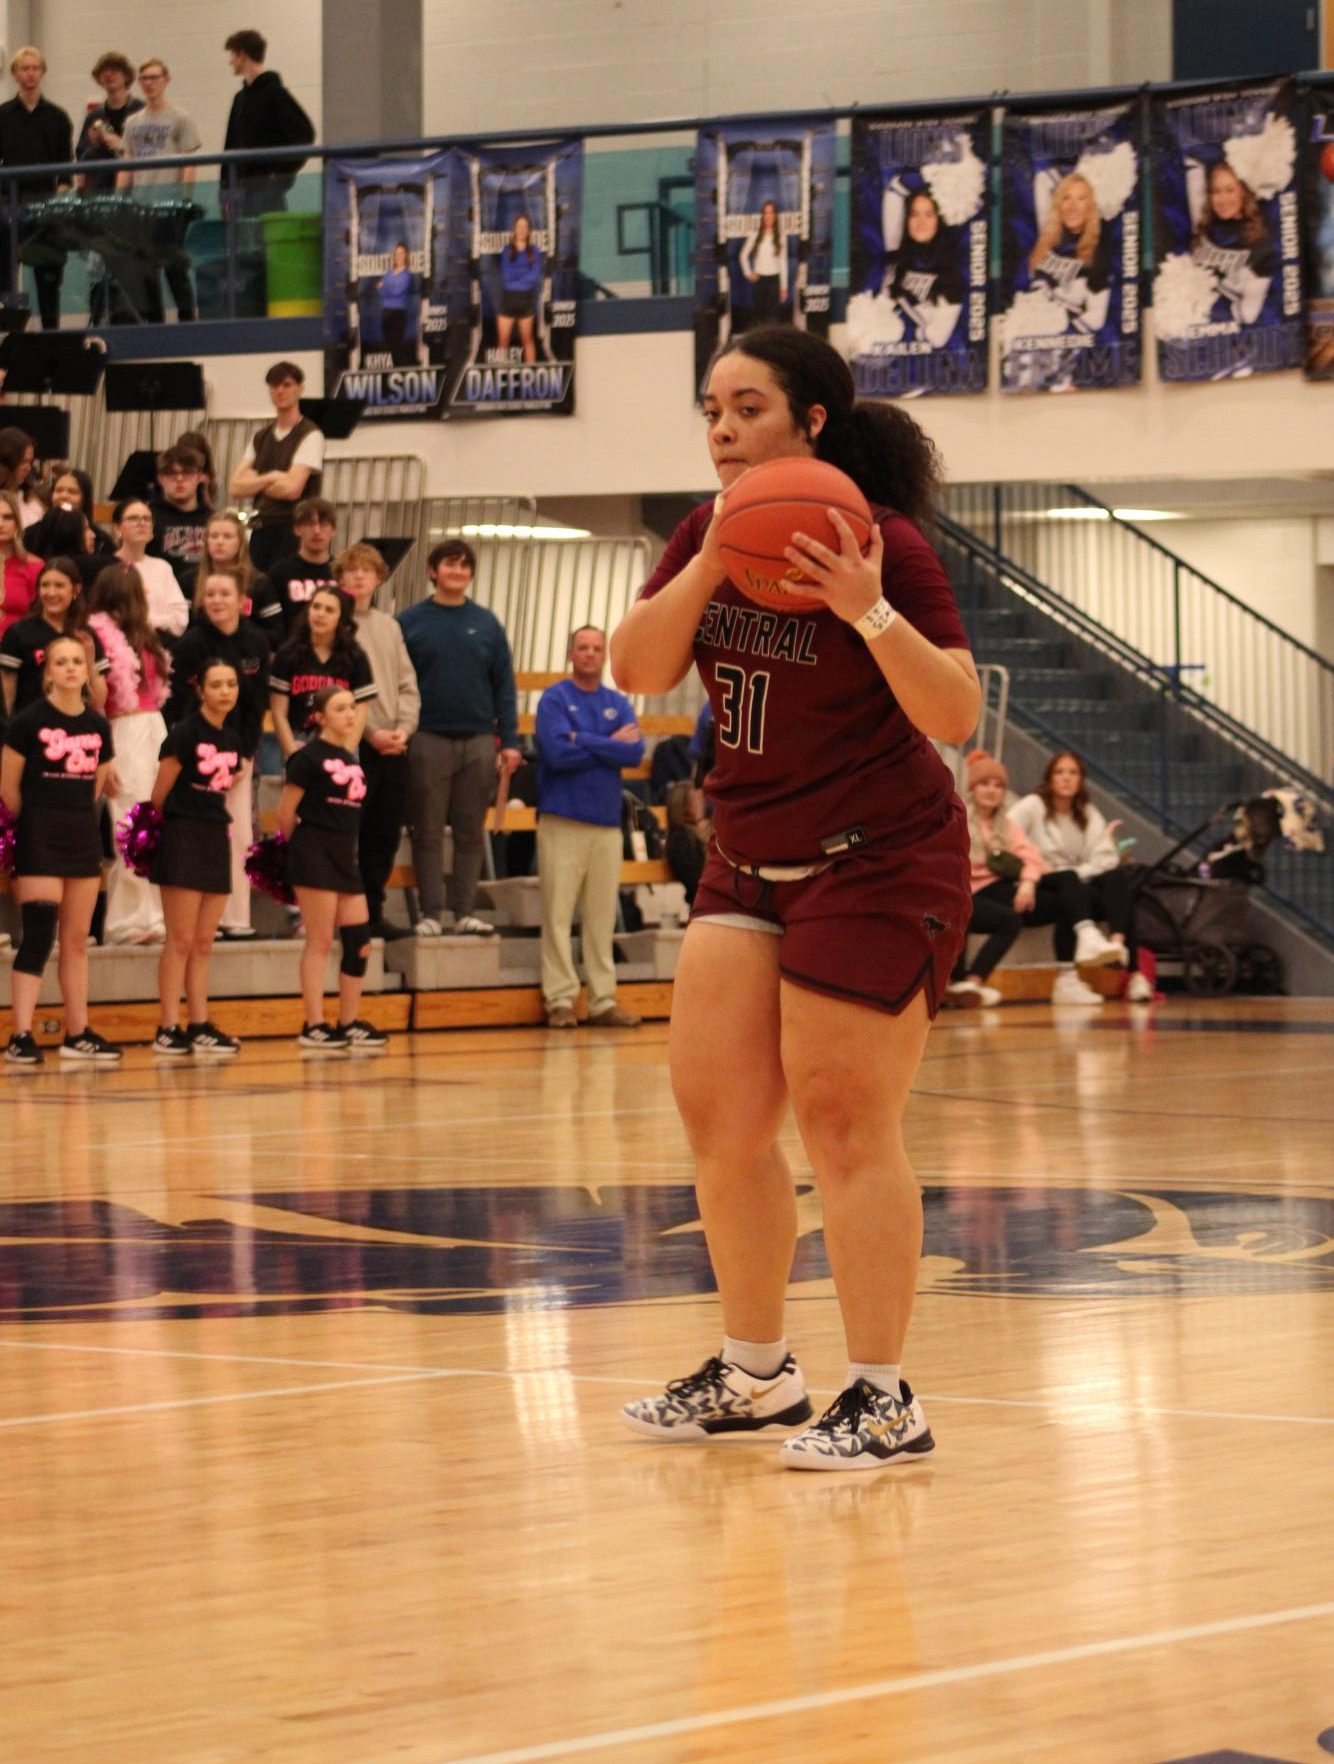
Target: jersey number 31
[{"x": 741, "y": 713}]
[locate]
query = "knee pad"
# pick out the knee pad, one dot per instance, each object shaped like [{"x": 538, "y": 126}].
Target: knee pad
[
  {"x": 356, "y": 941},
  {"x": 39, "y": 918}
]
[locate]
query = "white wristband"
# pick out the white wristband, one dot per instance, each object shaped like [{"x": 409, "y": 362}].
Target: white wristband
[{"x": 876, "y": 621}]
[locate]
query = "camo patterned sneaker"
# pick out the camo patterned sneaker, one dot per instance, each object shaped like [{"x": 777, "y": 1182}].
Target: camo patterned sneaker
[
  {"x": 721, "y": 1398},
  {"x": 862, "y": 1429}
]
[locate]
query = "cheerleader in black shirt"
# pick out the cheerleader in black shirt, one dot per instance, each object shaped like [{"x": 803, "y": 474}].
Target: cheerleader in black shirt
[
  {"x": 323, "y": 651},
  {"x": 59, "y": 612},
  {"x": 57, "y": 755},
  {"x": 319, "y": 813},
  {"x": 199, "y": 763}
]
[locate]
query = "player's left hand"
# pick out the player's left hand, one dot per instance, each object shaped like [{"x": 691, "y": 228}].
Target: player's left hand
[
  {"x": 847, "y": 581},
  {"x": 509, "y": 759}
]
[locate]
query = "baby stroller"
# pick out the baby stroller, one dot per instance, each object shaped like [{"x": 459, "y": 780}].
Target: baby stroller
[{"x": 1195, "y": 916}]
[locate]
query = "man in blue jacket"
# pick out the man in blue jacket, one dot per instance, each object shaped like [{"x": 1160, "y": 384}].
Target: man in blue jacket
[
  {"x": 466, "y": 677},
  {"x": 586, "y": 737}
]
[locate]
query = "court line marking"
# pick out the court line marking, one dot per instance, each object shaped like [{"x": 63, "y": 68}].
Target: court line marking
[
  {"x": 890, "y": 1687},
  {"x": 1061, "y": 1401},
  {"x": 231, "y": 1396}
]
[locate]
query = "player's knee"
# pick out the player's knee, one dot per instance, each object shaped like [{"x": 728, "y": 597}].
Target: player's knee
[
  {"x": 356, "y": 941},
  {"x": 38, "y": 920}
]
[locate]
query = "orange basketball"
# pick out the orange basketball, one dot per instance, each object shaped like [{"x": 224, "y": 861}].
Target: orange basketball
[{"x": 770, "y": 503}]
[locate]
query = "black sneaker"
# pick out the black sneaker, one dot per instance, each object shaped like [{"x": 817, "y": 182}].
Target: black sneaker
[
  {"x": 22, "y": 1050},
  {"x": 325, "y": 1037},
  {"x": 721, "y": 1398},
  {"x": 91, "y": 1048},
  {"x": 862, "y": 1429},
  {"x": 171, "y": 1040},
  {"x": 360, "y": 1033},
  {"x": 206, "y": 1038}
]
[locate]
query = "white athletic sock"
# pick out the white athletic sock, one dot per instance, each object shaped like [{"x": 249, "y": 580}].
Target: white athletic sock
[
  {"x": 762, "y": 1359},
  {"x": 886, "y": 1378}
]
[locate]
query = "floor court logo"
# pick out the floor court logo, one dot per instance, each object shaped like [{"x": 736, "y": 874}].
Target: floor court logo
[{"x": 486, "y": 1250}]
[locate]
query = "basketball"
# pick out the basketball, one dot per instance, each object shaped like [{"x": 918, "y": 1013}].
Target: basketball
[{"x": 770, "y": 503}]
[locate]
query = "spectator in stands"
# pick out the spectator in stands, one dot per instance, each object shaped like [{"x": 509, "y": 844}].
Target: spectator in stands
[
  {"x": 689, "y": 830},
  {"x": 1071, "y": 834},
  {"x": 1013, "y": 889},
  {"x": 586, "y": 737},
  {"x": 71, "y": 492},
  {"x": 33, "y": 131},
  {"x": 180, "y": 513},
  {"x": 295, "y": 577},
  {"x": 280, "y": 468},
  {"x": 225, "y": 547},
  {"x": 466, "y": 676},
  {"x": 322, "y": 651},
  {"x": 221, "y": 630},
  {"x": 136, "y": 691},
  {"x": 16, "y": 462},
  {"x": 263, "y": 114},
  {"x": 168, "y": 609},
  {"x": 61, "y": 611},
  {"x": 391, "y": 721},
  {"x": 101, "y": 140},
  {"x": 197, "y": 439},
  {"x": 64, "y": 532},
  {"x": 20, "y": 569},
  {"x": 160, "y": 131}
]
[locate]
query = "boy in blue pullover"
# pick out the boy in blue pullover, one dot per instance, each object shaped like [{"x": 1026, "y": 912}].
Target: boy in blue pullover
[
  {"x": 466, "y": 677},
  {"x": 586, "y": 737}
]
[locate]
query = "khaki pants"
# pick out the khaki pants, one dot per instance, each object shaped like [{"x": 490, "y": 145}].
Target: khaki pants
[{"x": 579, "y": 865}]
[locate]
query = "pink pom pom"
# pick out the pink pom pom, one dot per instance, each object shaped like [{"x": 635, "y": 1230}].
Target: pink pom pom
[
  {"x": 266, "y": 866},
  {"x": 138, "y": 835},
  {"x": 8, "y": 839}
]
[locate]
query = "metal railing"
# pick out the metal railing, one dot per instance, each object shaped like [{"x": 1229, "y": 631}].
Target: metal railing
[{"x": 1198, "y": 634}]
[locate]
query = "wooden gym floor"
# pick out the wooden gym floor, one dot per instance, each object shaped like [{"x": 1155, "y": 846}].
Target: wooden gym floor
[{"x": 308, "y": 1386}]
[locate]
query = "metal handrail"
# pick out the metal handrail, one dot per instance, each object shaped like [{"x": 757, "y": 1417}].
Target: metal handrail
[{"x": 1016, "y": 577}]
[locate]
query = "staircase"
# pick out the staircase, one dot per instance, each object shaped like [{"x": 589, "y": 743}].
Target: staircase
[{"x": 1146, "y": 736}]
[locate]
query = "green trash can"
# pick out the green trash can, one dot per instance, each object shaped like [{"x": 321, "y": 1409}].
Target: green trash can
[{"x": 294, "y": 251}]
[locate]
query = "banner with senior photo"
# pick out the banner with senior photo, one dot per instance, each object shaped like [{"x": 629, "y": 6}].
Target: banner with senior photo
[
  {"x": 513, "y": 248},
  {"x": 1318, "y": 180},
  {"x": 764, "y": 229},
  {"x": 386, "y": 309},
  {"x": 1070, "y": 250},
  {"x": 917, "y": 306},
  {"x": 1227, "y": 293}
]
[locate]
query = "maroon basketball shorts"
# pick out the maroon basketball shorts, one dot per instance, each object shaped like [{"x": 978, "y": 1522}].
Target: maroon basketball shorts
[{"x": 878, "y": 926}]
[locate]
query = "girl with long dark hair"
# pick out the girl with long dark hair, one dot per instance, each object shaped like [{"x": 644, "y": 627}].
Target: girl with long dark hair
[
  {"x": 763, "y": 262},
  {"x": 322, "y": 651},
  {"x": 833, "y": 903},
  {"x": 520, "y": 286},
  {"x": 60, "y": 611}
]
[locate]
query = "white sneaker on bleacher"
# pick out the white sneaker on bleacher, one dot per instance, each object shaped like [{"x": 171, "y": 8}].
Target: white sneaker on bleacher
[{"x": 427, "y": 928}]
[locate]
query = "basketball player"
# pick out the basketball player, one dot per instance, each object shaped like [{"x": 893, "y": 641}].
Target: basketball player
[{"x": 834, "y": 900}]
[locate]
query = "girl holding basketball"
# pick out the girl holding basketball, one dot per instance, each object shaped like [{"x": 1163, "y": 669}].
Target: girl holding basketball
[
  {"x": 319, "y": 813},
  {"x": 835, "y": 898}
]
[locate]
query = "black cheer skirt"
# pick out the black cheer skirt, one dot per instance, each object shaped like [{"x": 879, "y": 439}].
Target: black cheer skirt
[
  {"x": 317, "y": 857},
  {"x": 57, "y": 842},
  {"x": 194, "y": 854}
]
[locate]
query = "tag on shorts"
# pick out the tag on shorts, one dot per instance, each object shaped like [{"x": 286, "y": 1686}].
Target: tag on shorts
[{"x": 848, "y": 840}]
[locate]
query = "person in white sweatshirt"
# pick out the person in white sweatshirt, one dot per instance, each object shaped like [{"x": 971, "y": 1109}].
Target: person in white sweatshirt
[
  {"x": 390, "y": 721},
  {"x": 1071, "y": 834}
]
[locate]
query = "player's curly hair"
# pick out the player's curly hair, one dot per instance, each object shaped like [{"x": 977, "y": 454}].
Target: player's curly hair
[{"x": 890, "y": 459}]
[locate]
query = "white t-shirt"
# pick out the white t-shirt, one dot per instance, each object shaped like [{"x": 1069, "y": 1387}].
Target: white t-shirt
[
  {"x": 168, "y": 609},
  {"x": 1089, "y": 850},
  {"x": 159, "y": 133}
]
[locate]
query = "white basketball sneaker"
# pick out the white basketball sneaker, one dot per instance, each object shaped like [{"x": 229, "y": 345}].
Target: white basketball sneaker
[
  {"x": 721, "y": 1398},
  {"x": 864, "y": 1428}
]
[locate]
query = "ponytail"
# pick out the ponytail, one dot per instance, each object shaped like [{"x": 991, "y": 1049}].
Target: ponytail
[{"x": 891, "y": 460}]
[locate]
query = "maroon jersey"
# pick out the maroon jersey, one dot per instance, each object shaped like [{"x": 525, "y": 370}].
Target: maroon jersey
[{"x": 811, "y": 742}]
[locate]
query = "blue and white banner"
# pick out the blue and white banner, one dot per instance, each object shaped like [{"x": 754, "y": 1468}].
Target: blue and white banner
[
  {"x": 385, "y": 303},
  {"x": 1227, "y": 295},
  {"x": 513, "y": 248},
  {"x": 917, "y": 309},
  {"x": 1070, "y": 250},
  {"x": 764, "y": 229},
  {"x": 1319, "y": 206}
]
